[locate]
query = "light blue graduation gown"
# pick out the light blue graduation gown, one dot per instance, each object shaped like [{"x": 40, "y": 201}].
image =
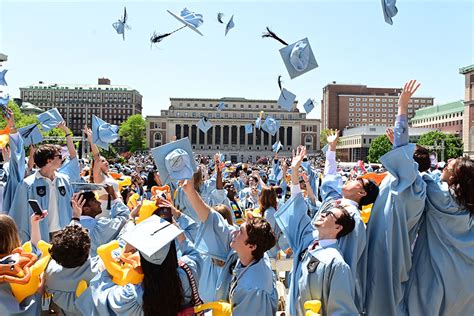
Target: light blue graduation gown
[
  {"x": 105, "y": 229},
  {"x": 16, "y": 171},
  {"x": 103, "y": 297},
  {"x": 30, "y": 306},
  {"x": 442, "y": 277},
  {"x": 352, "y": 245},
  {"x": 392, "y": 230},
  {"x": 206, "y": 191},
  {"x": 38, "y": 189},
  {"x": 255, "y": 292},
  {"x": 71, "y": 168},
  {"x": 62, "y": 283},
  {"x": 331, "y": 282},
  {"x": 282, "y": 242}
]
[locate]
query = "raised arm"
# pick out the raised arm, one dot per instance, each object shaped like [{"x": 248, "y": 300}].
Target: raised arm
[
  {"x": 309, "y": 190},
  {"x": 400, "y": 130},
  {"x": 70, "y": 144},
  {"x": 97, "y": 173},
  {"x": 330, "y": 167},
  {"x": 295, "y": 166},
  {"x": 201, "y": 208},
  {"x": 219, "y": 167}
]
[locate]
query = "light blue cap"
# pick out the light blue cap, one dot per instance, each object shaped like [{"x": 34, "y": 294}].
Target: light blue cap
[
  {"x": 31, "y": 135},
  {"x": 204, "y": 125},
  {"x": 389, "y": 10},
  {"x": 50, "y": 119},
  {"x": 230, "y": 25},
  {"x": 271, "y": 125},
  {"x": 152, "y": 238},
  {"x": 2, "y": 77},
  {"x": 286, "y": 100},
  {"x": 103, "y": 133},
  {"x": 249, "y": 128},
  {"x": 4, "y": 100},
  {"x": 298, "y": 58},
  {"x": 308, "y": 106},
  {"x": 175, "y": 160},
  {"x": 190, "y": 19},
  {"x": 220, "y": 106},
  {"x": 277, "y": 147}
]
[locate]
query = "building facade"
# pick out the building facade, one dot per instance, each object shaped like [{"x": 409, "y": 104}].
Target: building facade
[
  {"x": 228, "y": 132},
  {"x": 345, "y": 105},
  {"x": 447, "y": 117},
  {"x": 468, "y": 126},
  {"x": 355, "y": 143},
  {"x": 78, "y": 102}
]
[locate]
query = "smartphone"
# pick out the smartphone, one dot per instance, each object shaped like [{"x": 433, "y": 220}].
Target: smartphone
[{"x": 36, "y": 207}]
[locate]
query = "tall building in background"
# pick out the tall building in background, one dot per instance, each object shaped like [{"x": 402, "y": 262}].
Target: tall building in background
[
  {"x": 468, "y": 125},
  {"x": 78, "y": 102},
  {"x": 345, "y": 105},
  {"x": 228, "y": 133},
  {"x": 447, "y": 118}
]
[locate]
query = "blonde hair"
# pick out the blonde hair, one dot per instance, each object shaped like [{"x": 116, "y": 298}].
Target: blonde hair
[{"x": 9, "y": 238}]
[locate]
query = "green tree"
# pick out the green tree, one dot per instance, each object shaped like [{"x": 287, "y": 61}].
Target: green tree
[
  {"x": 133, "y": 130},
  {"x": 379, "y": 147},
  {"x": 453, "y": 146}
]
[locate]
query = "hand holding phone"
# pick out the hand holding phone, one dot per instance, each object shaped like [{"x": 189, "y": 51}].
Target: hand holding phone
[{"x": 36, "y": 207}]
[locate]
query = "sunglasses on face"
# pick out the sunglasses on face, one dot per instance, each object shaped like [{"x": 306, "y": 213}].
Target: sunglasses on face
[{"x": 329, "y": 212}]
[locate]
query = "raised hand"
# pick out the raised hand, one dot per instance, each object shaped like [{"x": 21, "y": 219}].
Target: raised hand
[
  {"x": 298, "y": 157},
  {"x": 408, "y": 90},
  {"x": 332, "y": 138},
  {"x": 389, "y": 134}
]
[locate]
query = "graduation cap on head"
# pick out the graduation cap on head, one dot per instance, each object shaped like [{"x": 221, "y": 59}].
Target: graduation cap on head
[
  {"x": 308, "y": 106},
  {"x": 50, "y": 119},
  {"x": 86, "y": 187},
  {"x": 2, "y": 77},
  {"x": 175, "y": 160},
  {"x": 298, "y": 57},
  {"x": 103, "y": 133},
  {"x": 204, "y": 125},
  {"x": 188, "y": 18},
  {"x": 121, "y": 24},
  {"x": 389, "y": 10},
  {"x": 152, "y": 238},
  {"x": 31, "y": 134},
  {"x": 249, "y": 128},
  {"x": 220, "y": 106},
  {"x": 277, "y": 147},
  {"x": 271, "y": 125}
]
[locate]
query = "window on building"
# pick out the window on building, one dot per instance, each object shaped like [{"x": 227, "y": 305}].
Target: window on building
[{"x": 226, "y": 135}]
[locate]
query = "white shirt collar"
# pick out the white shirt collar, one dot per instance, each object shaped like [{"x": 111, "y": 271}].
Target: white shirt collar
[
  {"x": 352, "y": 202},
  {"x": 38, "y": 175},
  {"x": 327, "y": 242}
]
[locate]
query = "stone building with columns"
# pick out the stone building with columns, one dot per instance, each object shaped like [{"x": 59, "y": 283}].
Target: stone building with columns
[{"x": 228, "y": 132}]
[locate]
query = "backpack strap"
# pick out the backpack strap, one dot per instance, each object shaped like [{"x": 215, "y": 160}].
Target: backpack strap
[{"x": 195, "y": 298}]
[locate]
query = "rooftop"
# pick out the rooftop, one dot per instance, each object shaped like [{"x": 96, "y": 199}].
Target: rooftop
[
  {"x": 67, "y": 86},
  {"x": 466, "y": 69},
  {"x": 225, "y": 99},
  {"x": 440, "y": 109},
  {"x": 377, "y": 130}
]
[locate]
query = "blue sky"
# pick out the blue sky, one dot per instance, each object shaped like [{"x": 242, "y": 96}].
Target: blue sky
[{"x": 74, "y": 42}]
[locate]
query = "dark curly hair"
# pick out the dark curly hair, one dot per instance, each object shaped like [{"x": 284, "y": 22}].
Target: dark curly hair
[
  {"x": 268, "y": 198},
  {"x": 45, "y": 152},
  {"x": 462, "y": 183},
  {"x": 422, "y": 157},
  {"x": 163, "y": 290},
  {"x": 347, "y": 222},
  {"x": 71, "y": 246},
  {"x": 261, "y": 235}
]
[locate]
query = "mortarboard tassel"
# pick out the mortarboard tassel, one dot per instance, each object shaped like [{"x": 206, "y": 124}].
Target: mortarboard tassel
[
  {"x": 156, "y": 38},
  {"x": 220, "y": 15},
  {"x": 273, "y": 35},
  {"x": 279, "y": 85}
]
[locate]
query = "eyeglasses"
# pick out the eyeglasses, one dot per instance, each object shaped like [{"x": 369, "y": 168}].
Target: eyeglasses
[{"x": 329, "y": 212}]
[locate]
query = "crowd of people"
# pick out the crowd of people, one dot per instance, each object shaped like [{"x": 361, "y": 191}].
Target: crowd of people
[{"x": 158, "y": 235}]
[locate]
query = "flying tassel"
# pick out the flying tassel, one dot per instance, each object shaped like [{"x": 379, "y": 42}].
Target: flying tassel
[
  {"x": 156, "y": 38},
  {"x": 280, "y": 86},
  {"x": 220, "y": 15},
  {"x": 273, "y": 35}
]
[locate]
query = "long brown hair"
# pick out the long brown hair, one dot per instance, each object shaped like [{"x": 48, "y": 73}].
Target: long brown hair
[
  {"x": 268, "y": 198},
  {"x": 462, "y": 183},
  {"x": 9, "y": 238}
]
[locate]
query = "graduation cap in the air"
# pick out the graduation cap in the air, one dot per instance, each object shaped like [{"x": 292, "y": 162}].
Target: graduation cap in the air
[
  {"x": 308, "y": 106},
  {"x": 220, "y": 106},
  {"x": 175, "y": 160},
  {"x": 204, "y": 125},
  {"x": 31, "y": 134},
  {"x": 271, "y": 125},
  {"x": 50, "y": 119},
  {"x": 2, "y": 77},
  {"x": 152, "y": 238},
  {"x": 230, "y": 24},
  {"x": 298, "y": 57},
  {"x": 103, "y": 133},
  {"x": 389, "y": 10},
  {"x": 277, "y": 147},
  {"x": 286, "y": 98},
  {"x": 188, "y": 18},
  {"x": 249, "y": 128},
  {"x": 258, "y": 121},
  {"x": 121, "y": 24}
]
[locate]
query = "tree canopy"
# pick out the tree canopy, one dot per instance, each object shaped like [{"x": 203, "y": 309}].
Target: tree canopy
[{"x": 133, "y": 130}]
